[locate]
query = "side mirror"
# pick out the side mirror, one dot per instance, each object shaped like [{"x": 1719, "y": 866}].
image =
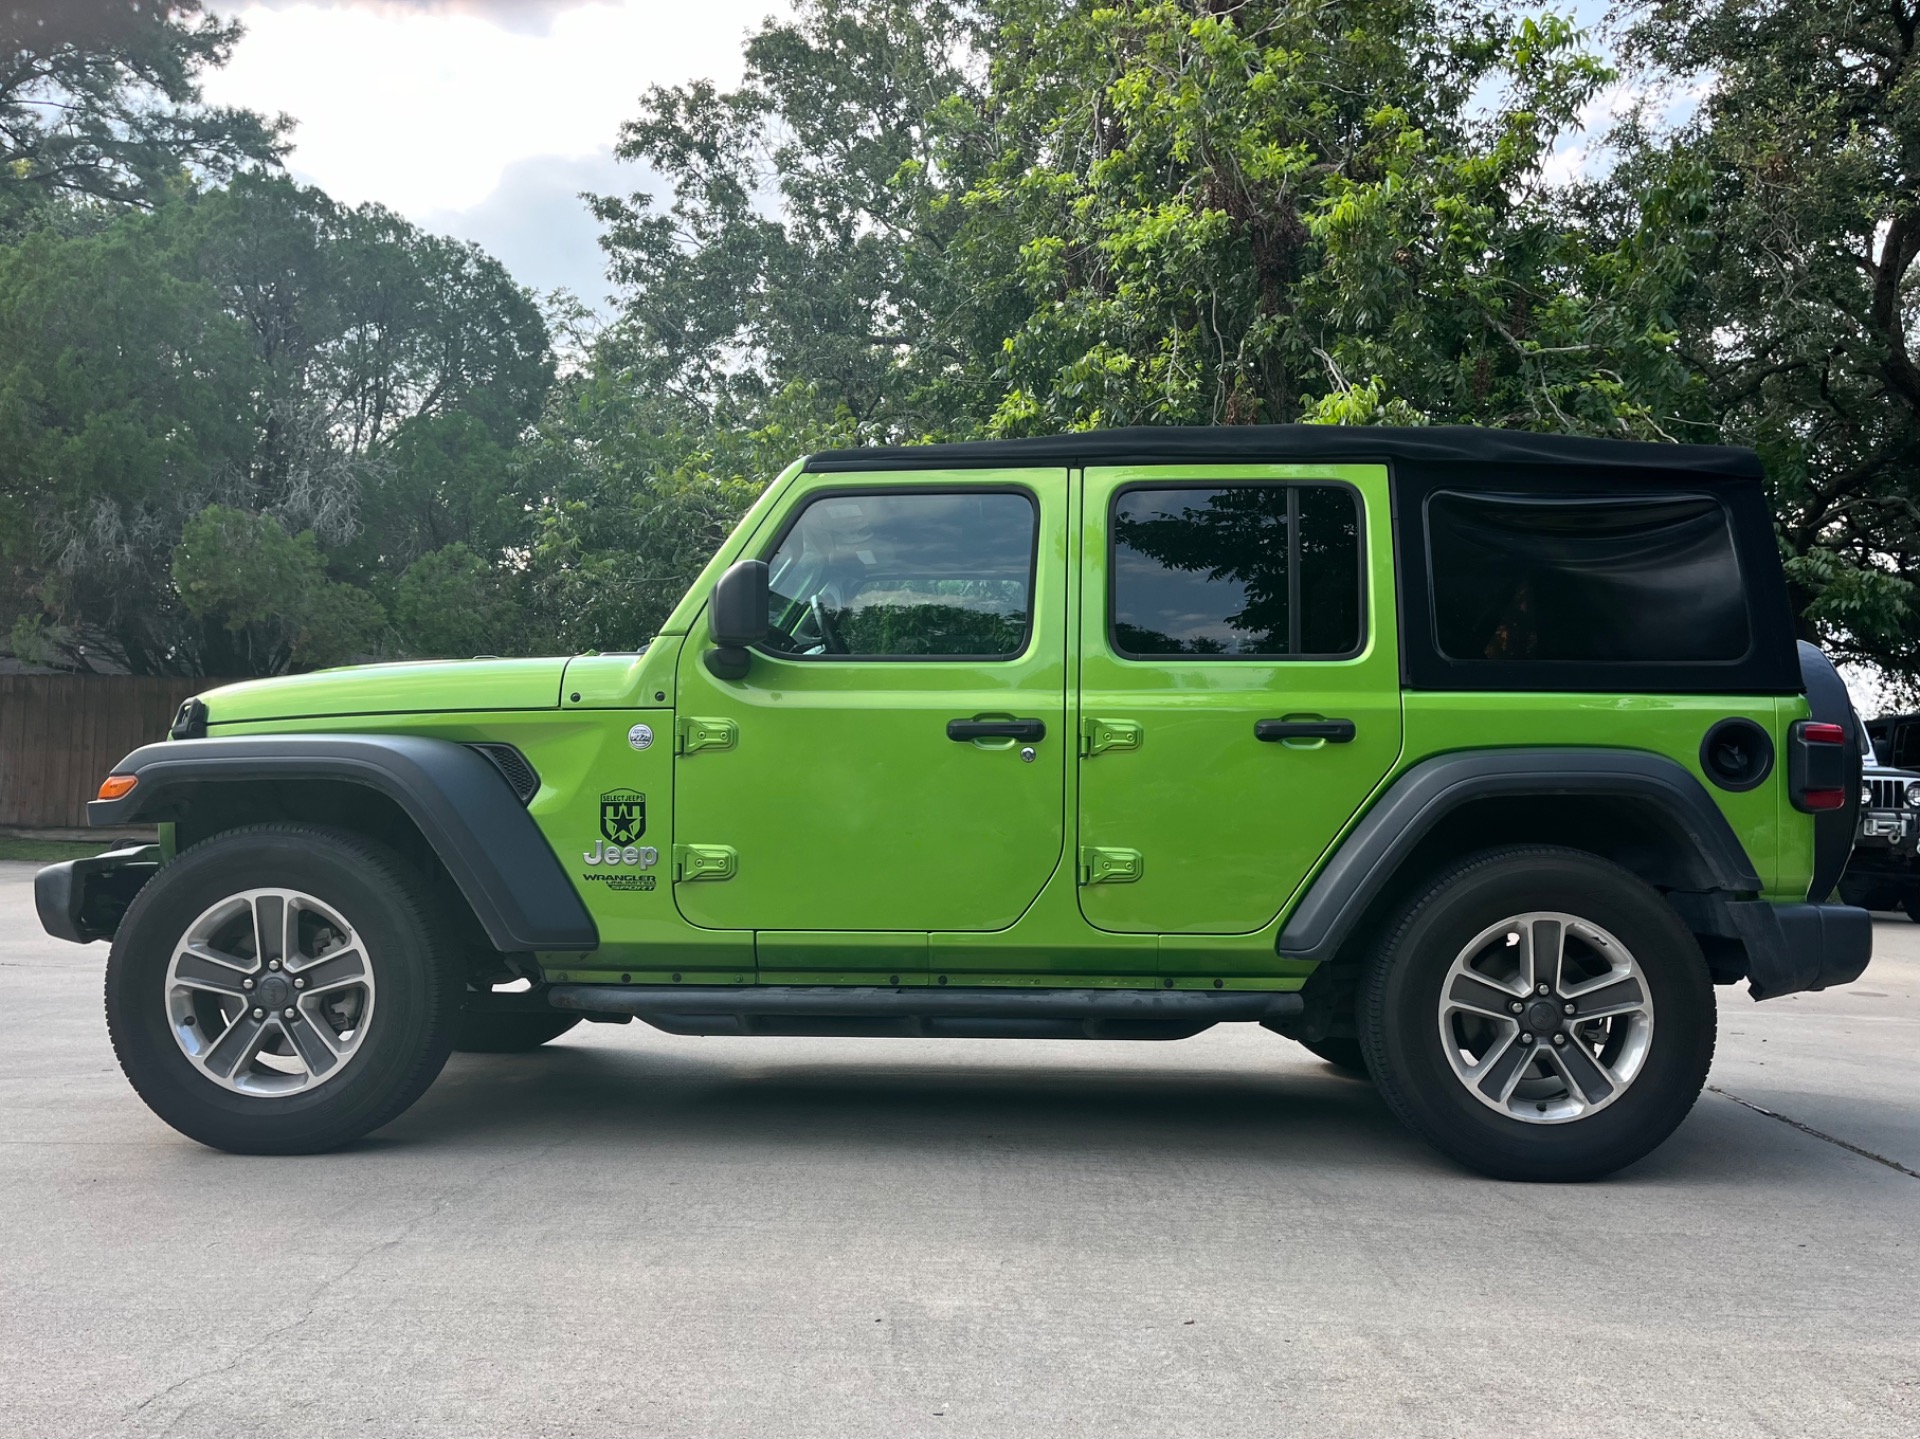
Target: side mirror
[{"x": 737, "y": 615}]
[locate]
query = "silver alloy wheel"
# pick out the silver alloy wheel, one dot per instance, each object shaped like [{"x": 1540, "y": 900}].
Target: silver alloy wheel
[
  {"x": 269, "y": 992},
  {"x": 1546, "y": 1017}
]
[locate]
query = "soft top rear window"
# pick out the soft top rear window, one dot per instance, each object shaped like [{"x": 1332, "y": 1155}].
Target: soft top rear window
[{"x": 1585, "y": 578}]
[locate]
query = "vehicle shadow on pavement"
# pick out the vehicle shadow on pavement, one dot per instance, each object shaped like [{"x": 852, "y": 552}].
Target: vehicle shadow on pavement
[
  {"x": 749, "y": 1102},
  {"x": 644, "y": 1097}
]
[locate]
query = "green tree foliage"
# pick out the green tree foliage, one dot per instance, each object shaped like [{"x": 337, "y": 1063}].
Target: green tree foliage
[
  {"x": 269, "y": 590},
  {"x": 1270, "y": 211},
  {"x": 806, "y": 241},
  {"x": 331, "y": 372},
  {"x": 100, "y": 102},
  {"x": 1794, "y": 199},
  {"x": 1025, "y": 216}
]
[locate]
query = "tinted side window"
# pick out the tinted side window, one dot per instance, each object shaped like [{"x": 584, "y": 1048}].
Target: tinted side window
[
  {"x": 1906, "y": 745},
  {"x": 926, "y": 575},
  {"x": 1594, "y": 578},
  {"x": 1237, "y": 571}
]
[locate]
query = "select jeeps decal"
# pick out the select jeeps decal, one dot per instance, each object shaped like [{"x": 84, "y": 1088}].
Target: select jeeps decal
[
  {"x": 623, "y": 815},
  {"x": 623, "y": 819}
]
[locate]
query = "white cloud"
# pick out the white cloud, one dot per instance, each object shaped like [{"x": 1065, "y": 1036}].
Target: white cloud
[
  {"x": 424, "y": 106},
  {"x": 534, "y": 223},
  {"x": 532, "y": 16}
]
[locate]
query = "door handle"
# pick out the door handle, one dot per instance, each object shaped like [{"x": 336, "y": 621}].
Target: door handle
[
  {"x": 1333, "y": 731},
  {"x": 971, "y": 729}
]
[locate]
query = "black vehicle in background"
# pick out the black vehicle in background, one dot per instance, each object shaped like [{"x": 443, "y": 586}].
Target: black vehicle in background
[{"x": 1884, "y": 871}]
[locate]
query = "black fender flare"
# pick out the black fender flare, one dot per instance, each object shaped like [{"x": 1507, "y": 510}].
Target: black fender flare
[
  {"x": 461, "y": 803},
  {"x": 1362, "y": 868}
]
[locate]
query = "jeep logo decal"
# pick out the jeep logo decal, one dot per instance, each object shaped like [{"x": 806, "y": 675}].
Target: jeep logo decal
[{"x": 623, "y": 815}]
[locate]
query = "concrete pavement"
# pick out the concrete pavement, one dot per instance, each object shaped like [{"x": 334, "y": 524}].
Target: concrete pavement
[{"x": 629, "y": 1233}]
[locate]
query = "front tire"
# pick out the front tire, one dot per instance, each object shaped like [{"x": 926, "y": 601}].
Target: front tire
[
  {"x": 282, "y": 989},
  {"x": 1539, "y": 1014}
]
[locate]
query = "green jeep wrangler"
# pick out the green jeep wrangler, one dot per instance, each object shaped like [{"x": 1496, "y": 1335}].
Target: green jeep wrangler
[{"x": 1471, "y": 760}]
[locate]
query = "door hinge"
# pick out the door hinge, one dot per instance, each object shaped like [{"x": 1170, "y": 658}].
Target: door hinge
[
  {"x": 693, "y": 862},
  {"x": 693, "y": 734},
  {"x": 1110, "y": 866},
  {"x": 1097, "y": 736}
]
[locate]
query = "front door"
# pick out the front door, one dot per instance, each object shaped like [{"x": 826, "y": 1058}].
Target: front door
[
  {"x": 895, "y": 758},
  {"x": 1240, "y": 688}
]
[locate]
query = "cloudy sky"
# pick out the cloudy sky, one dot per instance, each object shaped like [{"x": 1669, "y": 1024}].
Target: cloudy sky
[
  {"x": 486, "y": 118},
  {"x": 477, "y": 118}
]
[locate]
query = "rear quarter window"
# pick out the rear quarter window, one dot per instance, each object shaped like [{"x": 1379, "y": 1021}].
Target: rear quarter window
[{"x": 1593, "y": 579}]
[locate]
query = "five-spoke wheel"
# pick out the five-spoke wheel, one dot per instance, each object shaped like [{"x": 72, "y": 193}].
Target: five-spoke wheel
[
  {"x": 283, "y": 989},
  {"x": 1545, "y": 1017},
  {"x": 1507, "y": 1014},
  {"x": 270, "y": 992}
]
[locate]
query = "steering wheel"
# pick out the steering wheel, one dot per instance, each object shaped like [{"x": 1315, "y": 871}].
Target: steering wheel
[{"x": 829, "y": 640}]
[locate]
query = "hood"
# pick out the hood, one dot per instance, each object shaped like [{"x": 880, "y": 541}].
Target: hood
[{"x": 420, "y": 687}]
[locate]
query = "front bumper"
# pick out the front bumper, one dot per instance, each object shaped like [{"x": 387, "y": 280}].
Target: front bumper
[
  {"x": 1796, "y": 947},
  {"x": 1888, "y": 829},
  {"x": 83, "y": 899}
]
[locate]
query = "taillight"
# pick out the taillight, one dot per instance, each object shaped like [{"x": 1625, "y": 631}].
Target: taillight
[{"x": 1817, "y": 755}]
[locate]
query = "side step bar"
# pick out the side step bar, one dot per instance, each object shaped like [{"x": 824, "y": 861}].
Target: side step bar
[{"x": 836, "y": 1010}]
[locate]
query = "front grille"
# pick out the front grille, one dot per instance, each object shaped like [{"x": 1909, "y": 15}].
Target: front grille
[
  {"x": 513, "y": 765},
  {"x": 1888, "y": 793}
]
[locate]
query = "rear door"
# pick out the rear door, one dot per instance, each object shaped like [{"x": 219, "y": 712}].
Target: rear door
[{"x": 1239, "y": 691}]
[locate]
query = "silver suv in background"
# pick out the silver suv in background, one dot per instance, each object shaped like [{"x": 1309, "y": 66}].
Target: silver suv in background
[{"x": 1884, "y": 870}]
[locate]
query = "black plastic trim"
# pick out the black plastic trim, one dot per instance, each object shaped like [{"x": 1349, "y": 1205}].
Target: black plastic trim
[
  {"x": 514, "y": 767},
  {"x": 190, "y": 720},
  {"x": 1796, "y": 947},
  {"x": 81, "y": 900},
  {"x": 1278, "y": 731},
  {"x": 977, "y": 1012},
  {"x": 1360, "y": 871},
  {"x": 462, "y": 804}
]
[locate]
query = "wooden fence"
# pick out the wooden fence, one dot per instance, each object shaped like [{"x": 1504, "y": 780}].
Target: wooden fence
[{"x": 61, "y": 734}]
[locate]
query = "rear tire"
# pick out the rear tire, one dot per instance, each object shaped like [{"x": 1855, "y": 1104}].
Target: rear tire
[
  {"x": 283, "y": 989},
  {"x": 481, "y": 1033},
  {"x": 1475, "y": 1057}
]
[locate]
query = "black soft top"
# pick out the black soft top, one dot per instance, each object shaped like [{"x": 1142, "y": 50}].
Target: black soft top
[
  {"x": 1428, "y": 460},
  {"x": 1279, "y": 444}
]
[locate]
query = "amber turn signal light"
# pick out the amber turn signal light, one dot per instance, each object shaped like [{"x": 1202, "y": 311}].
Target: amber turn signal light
[{"x": 115, "y": 785}]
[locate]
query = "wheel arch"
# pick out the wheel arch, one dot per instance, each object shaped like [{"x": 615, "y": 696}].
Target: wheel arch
[
  {"x": 445, "y": 802},
  {"x": 1643, "y": 811}
]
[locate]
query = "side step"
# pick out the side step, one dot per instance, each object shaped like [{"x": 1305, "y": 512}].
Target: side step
[{"x": 952, "y": 1013}]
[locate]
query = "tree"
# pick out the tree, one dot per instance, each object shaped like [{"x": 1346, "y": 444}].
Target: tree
[
  {"x": 1796, "y": 186},
  {"x": 1225, "y": 211},
  {"x": 269, "y": 592},
  {"x": 328, "y": 372},
  {"x": 1023, "y": 215},
  {"x": 806, "y": 242},
  {"x": 100, "y": 102}
]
